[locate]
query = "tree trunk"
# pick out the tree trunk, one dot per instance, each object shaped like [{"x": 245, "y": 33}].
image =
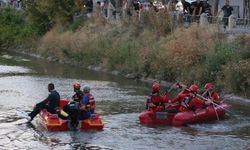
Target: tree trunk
[{"x": 216, "y": 3}]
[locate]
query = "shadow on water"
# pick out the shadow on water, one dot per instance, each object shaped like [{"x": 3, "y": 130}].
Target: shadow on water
[
  {"x": 43, "y": 67},
  {"x": 23, "y": 82}
]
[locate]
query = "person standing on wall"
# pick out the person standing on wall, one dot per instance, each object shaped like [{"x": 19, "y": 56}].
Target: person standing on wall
[{"x": 227, "y": 11}]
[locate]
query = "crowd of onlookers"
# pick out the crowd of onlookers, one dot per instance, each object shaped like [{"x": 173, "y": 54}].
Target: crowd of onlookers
[
  {"x": 195, "y": 8},
  {"x": 11, "y": 3},
  {"x": 190, "y": 11},
  {"x": 104, "y": 8},
  {"x": 107, "y": 8},
  {"x": 131, "y": 7},
  {"x": 135, "y": 7}
]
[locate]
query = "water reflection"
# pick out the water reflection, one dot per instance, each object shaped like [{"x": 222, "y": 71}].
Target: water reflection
[{"x": 13, "y": 69}]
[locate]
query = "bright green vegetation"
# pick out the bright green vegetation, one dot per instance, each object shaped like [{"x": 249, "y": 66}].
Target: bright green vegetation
[{"x": 15, "y": 29}]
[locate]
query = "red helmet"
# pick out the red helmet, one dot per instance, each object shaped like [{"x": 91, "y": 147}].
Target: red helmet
[
  {"x": 156, "y": 87},
  {"x": 194, "y": 88},
  {"x": 209, "y": 86}
]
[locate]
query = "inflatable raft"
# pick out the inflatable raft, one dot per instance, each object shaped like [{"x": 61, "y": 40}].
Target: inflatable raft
[
  {"x": 53, "y": 123},
  {"x": 208, "y": 114}
]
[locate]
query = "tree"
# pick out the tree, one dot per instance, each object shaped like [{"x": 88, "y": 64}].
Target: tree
[{"x": 46, "y": 13}]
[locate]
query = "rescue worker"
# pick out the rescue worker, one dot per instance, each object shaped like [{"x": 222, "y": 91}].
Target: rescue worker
[
  {"x": 155, "y": 101},
  {"x": 211, "y": 94},
  {"x": 51, "y": 103},
  {"x": 176, "y": 102},
  {"x": 184, "y": 89},
  {"x": 191, "y": 101},
  {"x": 87, "y": 103},
  {"x": 73, "y": 107},
  {"x": 73, "y": 110},
  {"x": 78, "y": 93},
  {"x": 187, "y": 99}
]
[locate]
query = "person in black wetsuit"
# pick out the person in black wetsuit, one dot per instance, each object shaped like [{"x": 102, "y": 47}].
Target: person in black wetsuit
[{"x": 51, "y": 103}]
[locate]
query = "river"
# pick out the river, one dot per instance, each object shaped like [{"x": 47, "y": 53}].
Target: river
[{"x": 23, "y": 82}]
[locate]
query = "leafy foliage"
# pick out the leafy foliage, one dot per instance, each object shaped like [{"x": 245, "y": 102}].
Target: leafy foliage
[
  {"x": 218, "y": 56},
  {"x": 235, "y": 77},
  {"x": 14, "y": 27},
  {"x": 46, "y": 13}
]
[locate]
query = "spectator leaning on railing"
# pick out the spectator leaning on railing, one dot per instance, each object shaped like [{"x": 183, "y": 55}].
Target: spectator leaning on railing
[
  {"x": 196, "y": 8},
  {"x": 136, "y": 4},
  {"x": 89, "y": 6},
  {"x": 171, "y": 6},
  {"x": 186, "y": 7},
  {"x": 206, "y": 8}
]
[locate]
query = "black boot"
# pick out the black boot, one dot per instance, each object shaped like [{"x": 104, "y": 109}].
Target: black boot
[{"x": 34, "y": 113}]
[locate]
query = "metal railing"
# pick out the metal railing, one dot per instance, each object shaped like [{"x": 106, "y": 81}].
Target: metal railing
[
  {"x": 213, "y": 20},
  {"x": 243, "y": 23}
]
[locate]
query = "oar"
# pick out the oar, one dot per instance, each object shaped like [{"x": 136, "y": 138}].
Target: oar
[
  {"x": 171, "y": 87},
  {"x": 200, "y": 96},
  {"x": 217, "y": 116},
  {"x": 230, "y": 112}
]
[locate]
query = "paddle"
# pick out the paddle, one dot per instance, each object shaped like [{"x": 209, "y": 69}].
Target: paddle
[
  {"x": 230, "y": 112},
  {"x": 171, "y": 87},
  {"x": 214, "y": 107},
  {"x": 202, "y": 97}
]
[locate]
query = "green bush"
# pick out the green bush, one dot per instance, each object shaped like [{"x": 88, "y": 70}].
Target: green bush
[
  {"x": 45, "y": 14},
  {"x": 14, "y": 28},
  {"x": 242, "y": 45},
  {"x": 219, "y": 55},
  {"x": 75, "y": 25},
  {"x": 235, "y": 77}
]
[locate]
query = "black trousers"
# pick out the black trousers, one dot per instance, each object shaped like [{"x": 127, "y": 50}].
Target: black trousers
[{"x": 39, "y": 107}]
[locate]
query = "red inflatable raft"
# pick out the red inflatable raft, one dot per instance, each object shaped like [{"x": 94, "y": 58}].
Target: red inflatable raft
[
  {"x": 53, "y": 123},
  {"x": 207, "y": 114}
]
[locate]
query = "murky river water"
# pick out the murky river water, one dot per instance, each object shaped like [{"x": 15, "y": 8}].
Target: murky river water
[{"x": 23, "y": 82}]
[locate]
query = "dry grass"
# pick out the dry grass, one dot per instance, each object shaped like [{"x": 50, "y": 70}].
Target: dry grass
[
  {"x": 133, "y": 47},
  {"x": 235, "y": 77},
  {"x": 188, "y": 46}
]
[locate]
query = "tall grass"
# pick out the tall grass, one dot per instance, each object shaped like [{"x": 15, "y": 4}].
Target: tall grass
[
  {"x": 235, "y": 74},
  {"x": 150, "y": 48}
]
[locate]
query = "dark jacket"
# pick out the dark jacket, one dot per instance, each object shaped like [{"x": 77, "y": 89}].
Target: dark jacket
[{"x": 53, "y": 100}]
